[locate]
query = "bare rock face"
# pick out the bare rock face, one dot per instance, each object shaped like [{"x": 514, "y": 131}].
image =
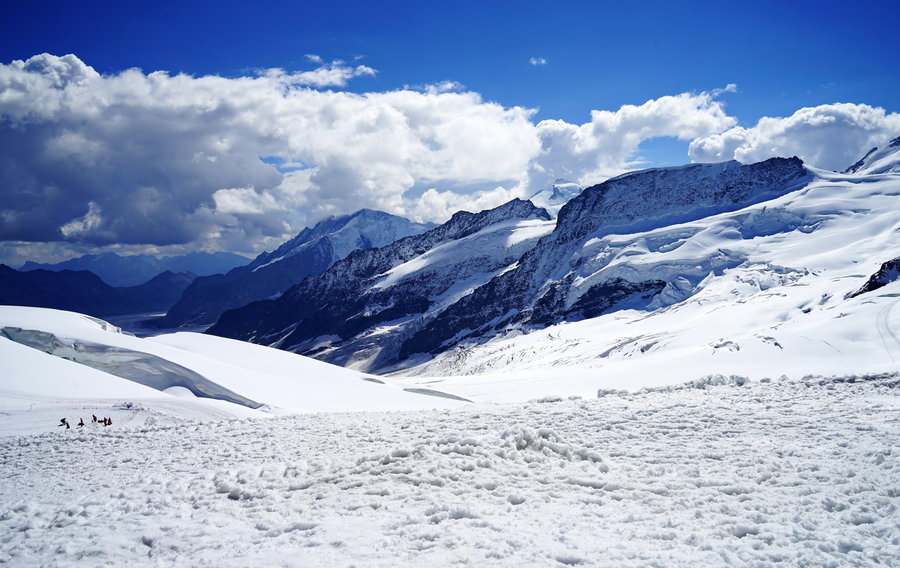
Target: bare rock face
[{"x": 889, "y": 272}]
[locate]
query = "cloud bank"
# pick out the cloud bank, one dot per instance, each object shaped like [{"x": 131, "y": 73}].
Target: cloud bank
[
  {"x": 243, "y": 163},
  {"x": 828, "y": 136}
]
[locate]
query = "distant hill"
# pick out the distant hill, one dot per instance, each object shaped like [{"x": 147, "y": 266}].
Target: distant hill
[
  {"x": 85, "y": 292},
  {"x": 137, "y": 269}
]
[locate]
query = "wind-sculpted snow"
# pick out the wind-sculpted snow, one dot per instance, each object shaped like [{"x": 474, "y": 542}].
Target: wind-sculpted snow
[
  {"x": 361, "y": 310},
  {"x": 792, "y": 473},
  {"x": 62, "y": 363}
]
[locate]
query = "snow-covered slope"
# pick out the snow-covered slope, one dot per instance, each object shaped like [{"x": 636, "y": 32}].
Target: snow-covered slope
[
  {"x": 654, "y": 276},
  {"x": 65, "y": 364},
  {"x": 362, "y": 310},
  {"x": 879, "y": 160},
  {"x": 362, "y": 230},
  {"x": 764, "y": 290},
  {"x": 271, "y": 273},
  {"x": 569, "y": 275}
]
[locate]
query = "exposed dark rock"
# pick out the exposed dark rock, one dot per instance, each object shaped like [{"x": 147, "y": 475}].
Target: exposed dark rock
[{"x": 889, "y": 272}]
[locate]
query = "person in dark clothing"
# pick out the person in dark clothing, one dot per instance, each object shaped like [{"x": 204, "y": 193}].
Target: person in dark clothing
[{"x": 81, "y": 422}]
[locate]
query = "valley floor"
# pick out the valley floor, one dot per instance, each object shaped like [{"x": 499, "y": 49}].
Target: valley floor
[{"x": 788, "y": 473}]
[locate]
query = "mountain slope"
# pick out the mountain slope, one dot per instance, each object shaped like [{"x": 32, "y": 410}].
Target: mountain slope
[
  {"x": 805, "y": 283},
  {"x": 122, "y": 271},
  {"x": 879, "y": 160},
  {"x": 565, "y": 277},
  {"x": 361, "y": 310},
  {"x": 271, "y": 273}
]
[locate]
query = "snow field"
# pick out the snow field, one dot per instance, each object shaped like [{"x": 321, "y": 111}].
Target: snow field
[
  {"x": 37, "y": 388},
  {"x": 793, "y": 473}
]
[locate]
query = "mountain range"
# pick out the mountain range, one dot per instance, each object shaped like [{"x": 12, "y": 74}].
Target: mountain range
[
  {"x": 362, "y": 310},
  {"x": 647, "y": 242},
  {"x": 137, "y": 269},
  {"x": 312, "y": 251},
  {"x": 83, "y": 291}
]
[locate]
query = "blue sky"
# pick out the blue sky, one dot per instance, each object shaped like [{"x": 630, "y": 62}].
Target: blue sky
[
  {"x": 782, "y": 55},
  {"x": 561, "y": 59}
]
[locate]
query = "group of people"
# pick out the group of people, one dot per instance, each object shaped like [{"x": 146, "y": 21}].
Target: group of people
[{"x": 105, "y": 421}]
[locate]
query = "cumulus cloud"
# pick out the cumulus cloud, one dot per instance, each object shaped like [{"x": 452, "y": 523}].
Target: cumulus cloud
[
  {"x": 180, "y": 161},
  {"x": 538, "y": 61},
  {"x": 602, "y": 147},
  {"x": 826, "y": 136}
]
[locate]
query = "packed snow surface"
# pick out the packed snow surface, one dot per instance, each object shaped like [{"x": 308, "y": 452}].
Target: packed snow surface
[{"x": 787, "y": 473}]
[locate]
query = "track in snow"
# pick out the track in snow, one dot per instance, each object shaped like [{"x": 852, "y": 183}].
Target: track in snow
[{"x": 888, "y": 337}]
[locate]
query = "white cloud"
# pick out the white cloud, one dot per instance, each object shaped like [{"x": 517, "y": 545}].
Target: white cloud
[
  {"x": 437, "y": 204},
  {"x": 175, "y": 160},
  {"x": 314, "y": 58},
  {"x": 827, "y": 136},
  {"x": 596, "y": 150},
  {"x": 335, "y": 74},
  {"x": 244, "y": 201},
  {"x": 538, "y": 61},
  {"x": 88, "y": 222}
]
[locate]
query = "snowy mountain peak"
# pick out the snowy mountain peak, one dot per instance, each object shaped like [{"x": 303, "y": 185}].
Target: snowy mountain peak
[
  {"x": 310, "y": 252},
  {"x": 363, "y": 229},
  {"x": 881, "y": 160},
  {"x": 557, "y": 195}
]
